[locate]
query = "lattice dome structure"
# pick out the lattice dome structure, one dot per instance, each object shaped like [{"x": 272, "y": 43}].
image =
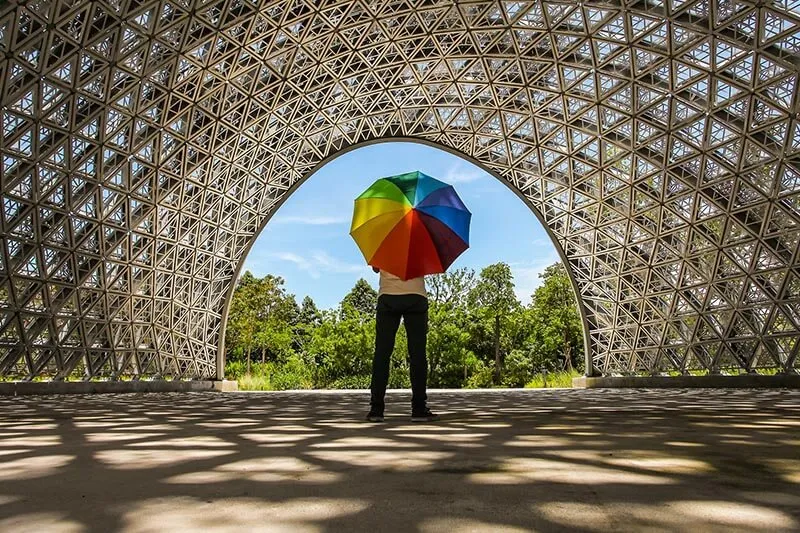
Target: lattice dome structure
[{"x": 144, "y": 143}]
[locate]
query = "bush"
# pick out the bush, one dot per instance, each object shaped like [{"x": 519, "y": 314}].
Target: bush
[
  {"x": 342, "y": 349},
  {"x": 481, "y": 377},
  {"x": 518, "y": 369},
  {"x": 399, "y": 377},
  {"x": 449, "y": 358},
  {"x": 235, "y": 369},
  {"x": 293, "y": 374}
]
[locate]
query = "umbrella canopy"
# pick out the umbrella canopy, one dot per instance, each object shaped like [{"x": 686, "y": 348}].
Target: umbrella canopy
[{"x": 410, "y": 225}]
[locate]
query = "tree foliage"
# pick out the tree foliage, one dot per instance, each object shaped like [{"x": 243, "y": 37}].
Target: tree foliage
[
  {"x": 260, "y": 316},
  {"x": 451, "y": 289},
  {"x": 361, "y": 299},
  {"x": 309, "y": 314},
  {"x": 494, "y": 296},
  {"x": 479, "y": 333},
  {"x": 557, "y": 334}
]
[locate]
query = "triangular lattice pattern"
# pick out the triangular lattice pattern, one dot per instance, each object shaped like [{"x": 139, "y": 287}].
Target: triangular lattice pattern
[{"x": 145, "y": 142}]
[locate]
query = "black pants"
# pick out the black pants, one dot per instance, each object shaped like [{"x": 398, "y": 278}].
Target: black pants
[{"x": 413, "y": 309}]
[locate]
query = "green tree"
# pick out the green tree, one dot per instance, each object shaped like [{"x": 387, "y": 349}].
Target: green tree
[
  {"x": 292, "y": 310},
  {"x": 519, "y": 369},
  {"x": 558, "y": 332},
  {"x": 259, "y": 316},
  {"x": 309, "y": 314},
  {"x": 246, "y": 279},
  {"x": 494, "y": 295},
  {"x": 519, "y": 365},
  {"x": 242, "y": 318},
  {"x": 362, "y": 299},
  {"x": 479, "y": 335},
  {"x": 451, "y": 288},
  {"x": 450, "y": 360},
  {"x": 276, "y": 310},
  {"x": 341, "y": 349},
  {"x": 309, "y": 317},
  {"x": 274, "y": 338}
]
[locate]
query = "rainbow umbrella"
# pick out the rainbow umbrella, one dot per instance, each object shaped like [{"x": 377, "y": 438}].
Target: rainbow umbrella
[{"x": 410, "y": 225}]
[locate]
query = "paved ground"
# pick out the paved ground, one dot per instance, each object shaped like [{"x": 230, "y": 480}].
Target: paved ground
[{"x": 557, "y": 460}]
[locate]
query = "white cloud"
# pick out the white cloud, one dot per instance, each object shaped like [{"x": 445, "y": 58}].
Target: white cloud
[
  {"x": 315, "y": 220},
  {"x": 461, "y": 174},
  {"x": 331, "y": 264},
  {"x": 318, "y": 263},
  {"x": 301, "y": 262}
]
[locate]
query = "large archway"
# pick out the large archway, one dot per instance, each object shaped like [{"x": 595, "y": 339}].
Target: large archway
[
  {"x": 143, "y": 145},
  {"x": 312, "y": 263}
]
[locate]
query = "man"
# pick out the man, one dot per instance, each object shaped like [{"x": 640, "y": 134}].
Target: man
[{"x": 407, "y": 300}]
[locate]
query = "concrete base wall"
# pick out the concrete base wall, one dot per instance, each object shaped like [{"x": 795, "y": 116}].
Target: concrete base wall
[
  {"x": 19, "y": 388},
  {"x": 695, "y": 382}
]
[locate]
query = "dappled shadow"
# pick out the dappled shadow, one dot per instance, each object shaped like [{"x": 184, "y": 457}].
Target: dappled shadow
[{"x": 555, "y": 460}]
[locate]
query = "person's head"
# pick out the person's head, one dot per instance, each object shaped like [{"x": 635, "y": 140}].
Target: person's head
[{"x": 376, "y": 269}]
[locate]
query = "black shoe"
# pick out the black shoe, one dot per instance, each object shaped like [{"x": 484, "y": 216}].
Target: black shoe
[
  {"x": 375, "y": 416},
  {"x": 425, "y": 415}
]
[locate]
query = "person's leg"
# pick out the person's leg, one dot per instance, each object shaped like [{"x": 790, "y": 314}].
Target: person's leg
[
  {"x": 415, "y": 318},
  {"x": 387, "y": 320}
]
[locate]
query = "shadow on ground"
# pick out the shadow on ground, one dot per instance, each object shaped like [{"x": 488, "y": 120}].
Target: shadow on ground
[{"x": 559, "y": 460}]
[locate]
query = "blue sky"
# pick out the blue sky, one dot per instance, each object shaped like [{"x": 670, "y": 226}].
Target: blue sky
[{"x": 308, "y": 243}]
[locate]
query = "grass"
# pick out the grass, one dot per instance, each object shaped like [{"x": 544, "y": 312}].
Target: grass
[
  {"x": 275, "y": 381},
  {"x": 267, "y": 382},
  {"x": 553, "y": 380},
  {"x": 254, "y": 382}
]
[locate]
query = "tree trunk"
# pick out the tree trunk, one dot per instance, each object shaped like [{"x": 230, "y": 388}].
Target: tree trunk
[
  {"x": 567, "y": 353},
  {"x": 497, "y": 367}
]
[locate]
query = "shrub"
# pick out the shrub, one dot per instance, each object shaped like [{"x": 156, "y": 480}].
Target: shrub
[
  {"x": 235, "y": 369},
  {"x": 481, "y": 377},
  {"x": 294, "y": 374},
  {"x": 518, "y": 369},
  {"x": 399, "y": 378}
]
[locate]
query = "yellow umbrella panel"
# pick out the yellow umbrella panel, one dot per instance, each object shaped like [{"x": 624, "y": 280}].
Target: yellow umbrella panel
[{"x": 373, "y": 219}]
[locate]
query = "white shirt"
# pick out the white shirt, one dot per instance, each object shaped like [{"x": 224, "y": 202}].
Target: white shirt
[{"x": 391, "y": 284}]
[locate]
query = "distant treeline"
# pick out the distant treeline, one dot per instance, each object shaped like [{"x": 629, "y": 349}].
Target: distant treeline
[{"x": 480, "y": 335}]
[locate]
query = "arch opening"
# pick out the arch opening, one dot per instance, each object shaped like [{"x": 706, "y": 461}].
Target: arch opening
[{"x": 382, "y": 162}]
